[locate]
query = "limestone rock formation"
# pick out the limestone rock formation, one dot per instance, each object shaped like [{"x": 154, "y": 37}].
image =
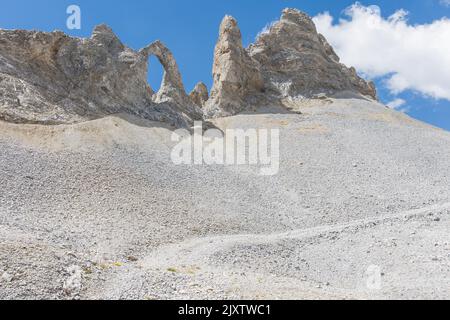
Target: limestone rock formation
[
  {"x": 52, "y": 78},
  {"x": 236, "y": 75},
  {"x": 172, "y": 89},
  {"x": 291, "y": 59},
  {"x": 199, "y": 95},
  {"x": 296, "y": 60}
]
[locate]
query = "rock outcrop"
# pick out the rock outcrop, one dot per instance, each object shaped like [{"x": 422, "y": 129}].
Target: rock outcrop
[
  {"x": 199, "y": 95},
  {"x": 236, "y": 75},
  {"x": 296, "y": 60},
  {"x": 51, "y": 78},
  {"x": 172, "y": 90},
  {"x": 291, "y": 59}
]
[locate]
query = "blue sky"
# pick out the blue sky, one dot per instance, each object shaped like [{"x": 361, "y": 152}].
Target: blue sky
[{"x": 189, "y": 29}]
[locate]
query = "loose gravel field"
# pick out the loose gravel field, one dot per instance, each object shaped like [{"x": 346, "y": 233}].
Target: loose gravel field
[{"x": 97, "y": 210}]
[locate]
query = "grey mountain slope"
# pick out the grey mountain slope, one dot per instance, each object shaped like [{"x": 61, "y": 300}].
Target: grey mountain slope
[{"x": 359, "y": 185}]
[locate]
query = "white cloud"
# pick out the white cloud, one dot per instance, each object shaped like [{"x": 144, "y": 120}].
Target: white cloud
[
  {"x": 411, "y": 57},
  {"x": 267, "y": 28},
  {"x": 445, "y": 3},
  {"x": 396, "y": 104}
]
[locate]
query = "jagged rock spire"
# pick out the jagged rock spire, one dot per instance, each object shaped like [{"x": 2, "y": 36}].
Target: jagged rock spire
[
  {"x": 199, "y": 95},
  {"x": 291, "y": 59},
  {"x": 235, "y": 74}
]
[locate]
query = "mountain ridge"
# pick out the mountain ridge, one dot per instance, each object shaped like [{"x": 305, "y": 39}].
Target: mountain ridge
[{"x": 52, "y": 78}]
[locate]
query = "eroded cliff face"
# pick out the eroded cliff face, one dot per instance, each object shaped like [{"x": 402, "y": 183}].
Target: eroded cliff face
[
  {"x": 236, "y": 75},
  {"x": 291, "y": 59},
  {"x": 296, "y": 60},
  {"x": 52, "y": 78}
]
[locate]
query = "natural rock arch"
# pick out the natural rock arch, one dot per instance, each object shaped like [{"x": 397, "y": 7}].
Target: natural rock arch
[{"x": 172, "y": 89}]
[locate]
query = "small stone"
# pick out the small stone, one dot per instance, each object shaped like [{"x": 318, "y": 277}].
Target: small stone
[
  {"x": 7, "y": 277},
  {"x": 72, "y": 285}
]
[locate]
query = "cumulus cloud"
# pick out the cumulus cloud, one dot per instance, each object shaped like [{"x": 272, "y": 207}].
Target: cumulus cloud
[
  {"x": 397, "y": 104},
  {"x": 267, "y": 28},
  {"x": 410, "y": 57}
]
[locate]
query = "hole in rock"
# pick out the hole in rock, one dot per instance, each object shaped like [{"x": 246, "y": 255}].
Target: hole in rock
[{"x": 155, "y": 73}]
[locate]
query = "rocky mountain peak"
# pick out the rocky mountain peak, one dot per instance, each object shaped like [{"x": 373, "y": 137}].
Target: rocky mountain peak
[
  {"x": 290, "y": 59},
  {"x": 104, "y": 34},
  {"x": 298, "y": 18},
  {"x": 235, "y": 74},
  {"x": 229, "y": 28},
  {"x": 103, "y": 30},
  {"x": 53, "y": 78}
]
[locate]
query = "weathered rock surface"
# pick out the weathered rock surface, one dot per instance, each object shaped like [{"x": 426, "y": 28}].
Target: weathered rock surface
[
  {"x": 236, "y": 75},
  {"x": 172, "y": 90},
  {"x": 199, "y": 95},
  {"x": 296, "y": 60},
  {"x": 359, "y": 184},
  {"x": 291, "y": 59},
  {"x": 52, "y": 78}
]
